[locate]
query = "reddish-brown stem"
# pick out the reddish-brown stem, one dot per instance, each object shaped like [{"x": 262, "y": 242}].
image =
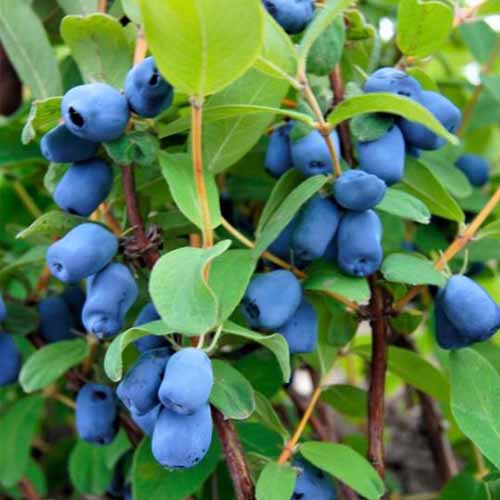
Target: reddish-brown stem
[
  {"x": 378, "y": 370},
  {"x": 103, "y": 5},
  {"x": 338, "y": 96},
  {"x": 235, "y": 459},
  {"x": 11, "y": 95},
  {"x": 27, "y": 489},
  {"x": 151, "y": 255}
]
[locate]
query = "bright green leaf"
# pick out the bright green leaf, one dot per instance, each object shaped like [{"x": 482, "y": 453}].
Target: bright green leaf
[
  {"x": 276, "y": 482},
  {"x": 404, "y": 205},
  {"x": 411, "y": 269},
  {"x": 44, "y": 115}
]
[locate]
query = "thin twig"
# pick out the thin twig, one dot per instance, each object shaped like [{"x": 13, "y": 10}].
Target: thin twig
[
  {"x": 292, "y": 442},
  {"x": 26, "y": 199},
  {"x": 27, "y": 489},
  {"x": 102, "y": 7},
  {"x": 378, "y": 370}
]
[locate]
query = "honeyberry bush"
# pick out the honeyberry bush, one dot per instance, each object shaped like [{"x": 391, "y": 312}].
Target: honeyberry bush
[{"x": 260, "y": 195}]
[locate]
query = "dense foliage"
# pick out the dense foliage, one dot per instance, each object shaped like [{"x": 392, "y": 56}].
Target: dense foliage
[{"x": 249, "y": 249}]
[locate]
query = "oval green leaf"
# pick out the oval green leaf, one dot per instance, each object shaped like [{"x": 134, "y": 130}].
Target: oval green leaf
[
  {"x": 411, "y": 269},
  {"x": 198, "y": 53}
]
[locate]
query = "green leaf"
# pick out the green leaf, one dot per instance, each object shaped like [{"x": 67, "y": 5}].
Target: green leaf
[
  {"x": 35, "y": 255},
  {"x": 44, "y": 115},
  {"x": 419, "y": 35},
  {"x": 407, "y": 321},
  {"x": 492, "y": 84},
  {"x": 326, "y": 277},
  {"x": 276, "y": 482},
  {"x": 113, "y": 365},
  {"x": 21, "y": 319},
  {"x": 283, "y": 187},
  {"x": 347, "y": 399},
  {"x": 178, "y": 172},
  {"x": 446, "y": 172},
  {"x": 371, "y": 126},
  {"x": 183, "y": 299},
  {"x": 278, "y": 57},
  {"x": 491, "y": 230},
  {"x": 479, "y": 38},
  {"x": 12, "y": 151},
  {"x": 25, "y": 40},
  {"x": 51, "y": 225},
  {"x": 198, "y": 56},
  {"x": 224, "y": 112},
  {"x": 388, "y": 103},
  {"x": 475, "y": 401},
  {"x": 47, "y": 364},
  {"x": 321, "y": 22},
  {"x": 267, "y": 415},
  {"x": 82, "y": 7},
  {"x": 88, "y": 468},
  {"x": 117, "y": 448},
  {"x": 239, "y": 265},
  {"x": 346, "y": 465},
  {"x": 404, "y": 205},
  {"x": 231, "y": 393},
  {"x": 18, "y": 427},
  {"x": 227, "y": 141},
  {"x": 100, "y": 46},
  {"x": 135, "y": 147},
  {"x": 132, "y": 11},
  {"x": 411, "y": 269},
  {"x": 275, "y": 342},
  {"x": 150, "y": 480},
  {"x": 414, "y": 370},
  {"x": 422, "y": 183},
  {"x": 285, "y": 212}
]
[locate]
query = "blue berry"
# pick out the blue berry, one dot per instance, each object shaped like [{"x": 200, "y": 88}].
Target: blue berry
[
  {"x": 147, "y": 92},
  {"x": 312, "y": 483},
  {"x": 10, "y": 360},
  {"x": 187, "y": 381},
  {"x": 110, "y": 294},
  {"x": 475, "y": 167},
  {"x": 84, "y": 186},
  {"x": 147, "y": 421},
  {"x": 84, "y": 251},
  {"x": 358, "y": 190},
  {"x": 3, "y": 309},
  {"x": 301, "y": 330},
  {"x": 61, "y": 146},
  {"x": 271, "y": 299},
  {"x": 138, "y": 390},
  {"x": 56, "y": 321},
  {"x": 384, "y": 157},
  {"x": 359, "y": 243},
  {"x": 181, "y": 441},
  {"x": 279, "y": 155},
  {"x": 96, "y": 112},
  {"x": 316, "y": 226},
  {"x": 394, "y": 81},
  {"x": 96, "y": 414},
  {"x": 310, "y": 154},
  {"x": 418, "y": 135},
  {"x": 292, "y": 15}
]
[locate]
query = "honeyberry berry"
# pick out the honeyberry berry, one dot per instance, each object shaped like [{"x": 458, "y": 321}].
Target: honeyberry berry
[
  {"x": 138, "y": 390},
  {"x": 3, "y": 309},
  {"x": 278, "y": 154},
  {"x": 187, "y": 381},
  {"x": 95, "y": 111},
  {"x": 359, "y": 243},
  {"x": 317, "y": 224},
  {"x": 271, "y": 299},
  {"x": 82, "y": 252},
  {"x": 357, "y": 190},
  {"x": 96, "y": 414},
  {"x": 147, "y": 92},
  {"x": 312, "y": 483},
  {"x": 61, "y": 146},
  {"x": 394, "y": 81},
  {"x": 10, "y": 360},
  {"x": 84, "y": 186},
  {"x": 301, "y": 330},
  {"x": 384, "y": 157},
  {"x": 110, "y": 294},
  {"x": 181, "y": 441},
  {"x": 310, "y": 154},
  {"x": 292, "y": 15},
  {"x": 147, "y": 421},
  {"x": 475, "y": 167},
  {"x": 56, "y": 321}
]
